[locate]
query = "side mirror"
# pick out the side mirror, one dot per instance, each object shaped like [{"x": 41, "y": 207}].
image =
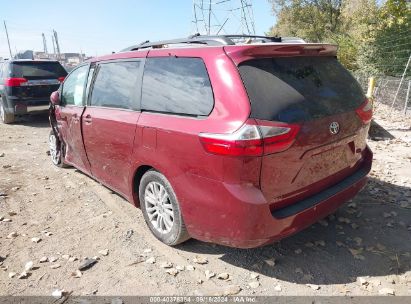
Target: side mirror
[{"x": 55, "y": 98}]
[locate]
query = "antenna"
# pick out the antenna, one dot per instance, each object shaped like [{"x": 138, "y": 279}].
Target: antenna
[
  {"x": 44, "y": 44},
  {"x": 214, "y": 17},
  {"x": 8, "y": 41}
]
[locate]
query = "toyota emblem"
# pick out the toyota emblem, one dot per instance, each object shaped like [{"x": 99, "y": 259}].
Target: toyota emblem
[{"x": 334, "y": 127}]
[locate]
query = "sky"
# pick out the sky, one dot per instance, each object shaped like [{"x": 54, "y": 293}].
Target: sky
[{"x": 100, "y": 27}]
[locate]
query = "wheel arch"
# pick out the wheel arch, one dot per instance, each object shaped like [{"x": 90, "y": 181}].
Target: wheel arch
[
  {"x": 137, "y": 175},
  {"x": 140, "y": 169}
]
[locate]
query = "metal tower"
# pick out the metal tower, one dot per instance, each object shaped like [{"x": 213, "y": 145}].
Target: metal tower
[
  {"x": 54, "y": 46},
  {"x": 218, "y": 17},
  {"x": 44, "y": 44},
  {"x": 56, "y": 41}
]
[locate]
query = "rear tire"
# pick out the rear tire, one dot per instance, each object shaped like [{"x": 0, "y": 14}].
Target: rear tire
[
  {"x": 6, "y": 118},
  {"x": 161, "y": 209},
  {"x": 56, "y": 151}
]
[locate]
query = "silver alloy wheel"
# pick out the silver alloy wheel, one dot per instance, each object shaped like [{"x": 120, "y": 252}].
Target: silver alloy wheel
[
  {"x": 158, "y": 207},
  {"x": 54, "y": 151}
]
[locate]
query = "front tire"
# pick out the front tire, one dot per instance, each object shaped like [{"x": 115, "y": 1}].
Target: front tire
[
  {"x": 56, "y": 150},
  {"x": 6, "y": 118},
  {"x": 161, "y": 209}
]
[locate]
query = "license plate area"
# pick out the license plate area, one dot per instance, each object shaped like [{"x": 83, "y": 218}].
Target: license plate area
[{"x": 330, "y": 161}]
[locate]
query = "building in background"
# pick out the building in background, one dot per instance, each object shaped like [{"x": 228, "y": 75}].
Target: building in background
[
  {"x": 26, "y": 54},
  {"x": 68, "y": 60}
]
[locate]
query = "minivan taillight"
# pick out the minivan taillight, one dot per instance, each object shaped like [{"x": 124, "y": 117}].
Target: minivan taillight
[
  {"x": 251, "y": 139},
  {"x": 278, "y": 137},
  {"x": 14, "y": 82},
  {"x": 365, "y": 111}
]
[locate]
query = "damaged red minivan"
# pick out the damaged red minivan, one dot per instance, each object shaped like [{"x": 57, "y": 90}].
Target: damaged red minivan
[{"x": 235, "y": 140}]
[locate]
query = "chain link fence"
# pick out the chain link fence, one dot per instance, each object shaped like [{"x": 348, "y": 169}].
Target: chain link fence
[{"x": 385, "y": 90}]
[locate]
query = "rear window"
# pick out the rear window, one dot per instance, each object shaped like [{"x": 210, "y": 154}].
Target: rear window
[
  {"x": 177, "y": 86},
  {"x": 292, "y": 89},
  {"x": 38, "y": 70}
]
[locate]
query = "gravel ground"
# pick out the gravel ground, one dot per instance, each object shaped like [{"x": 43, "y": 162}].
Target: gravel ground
[{"x": 55, "y": 218}]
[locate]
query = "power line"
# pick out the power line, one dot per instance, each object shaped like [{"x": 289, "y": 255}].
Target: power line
[{"x": 208, "y": 14}]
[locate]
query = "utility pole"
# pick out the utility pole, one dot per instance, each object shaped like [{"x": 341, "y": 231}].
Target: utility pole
[
  {"x": 8, "y": 40},
  {"x": 44, "y": 44},
  {"x": 209, "y": 18}
]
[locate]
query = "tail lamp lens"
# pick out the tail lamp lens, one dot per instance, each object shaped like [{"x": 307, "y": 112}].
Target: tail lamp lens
[
  {"x": 15, "y": 82},
  {"x": 365, "y": 111},
  {"x": 279, "y": 138},
  {"x": 244, "y": 142},
  {"x": 252, "y": 139}
]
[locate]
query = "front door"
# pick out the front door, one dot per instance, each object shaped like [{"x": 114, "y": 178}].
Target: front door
[
  {"x": 69, "y": 117},
  {"x": 110, "y": 119}
]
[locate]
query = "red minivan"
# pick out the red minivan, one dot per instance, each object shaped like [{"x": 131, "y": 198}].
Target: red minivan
[{"x": 240, "y": 141}]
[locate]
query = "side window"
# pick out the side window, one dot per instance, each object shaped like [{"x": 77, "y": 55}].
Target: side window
[
  {"x": 73, "y": 87},
  {"x": 177, "y": 85},
  {"x": 117, "y": 85}
]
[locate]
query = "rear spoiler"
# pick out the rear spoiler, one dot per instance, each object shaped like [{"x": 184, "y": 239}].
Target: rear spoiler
[{"x": 240, "y": 53}]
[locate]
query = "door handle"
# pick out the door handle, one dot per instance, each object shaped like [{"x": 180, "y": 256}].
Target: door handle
[{"x": 88, "y": 119}]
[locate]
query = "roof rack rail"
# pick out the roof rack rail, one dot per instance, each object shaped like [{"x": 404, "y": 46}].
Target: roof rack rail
[
  {"x": 208, "y": 40},
  {"x": 263, "y": 38},
  {"x": 200, "y": 39}
]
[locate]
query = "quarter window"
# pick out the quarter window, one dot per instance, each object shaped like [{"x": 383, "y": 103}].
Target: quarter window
[
  {"x": 73, "y": 88},
  {"x": 117, "y": 85},
  {"x": 177, "y": 85},
  {"x": 89, "y": 79}
]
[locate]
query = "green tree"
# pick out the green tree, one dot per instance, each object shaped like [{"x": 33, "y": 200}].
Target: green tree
[
  {"x": 392, "y": 39},
  {"x": 313, "y": 20},
  {"x": 344, "y": 22}
]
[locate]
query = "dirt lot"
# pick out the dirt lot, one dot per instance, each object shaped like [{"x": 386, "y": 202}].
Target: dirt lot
[{"x": 363, "y": 249}]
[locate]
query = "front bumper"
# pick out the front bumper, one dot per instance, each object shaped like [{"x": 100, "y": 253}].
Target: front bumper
[{"x": 239, "y": 216}]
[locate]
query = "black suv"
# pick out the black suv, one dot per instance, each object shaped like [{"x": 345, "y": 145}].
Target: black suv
[{"x": 26, "y": 85}]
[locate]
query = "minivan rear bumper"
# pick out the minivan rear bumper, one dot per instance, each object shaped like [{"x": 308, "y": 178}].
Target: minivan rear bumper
[{"x": 239, "y": 216}]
